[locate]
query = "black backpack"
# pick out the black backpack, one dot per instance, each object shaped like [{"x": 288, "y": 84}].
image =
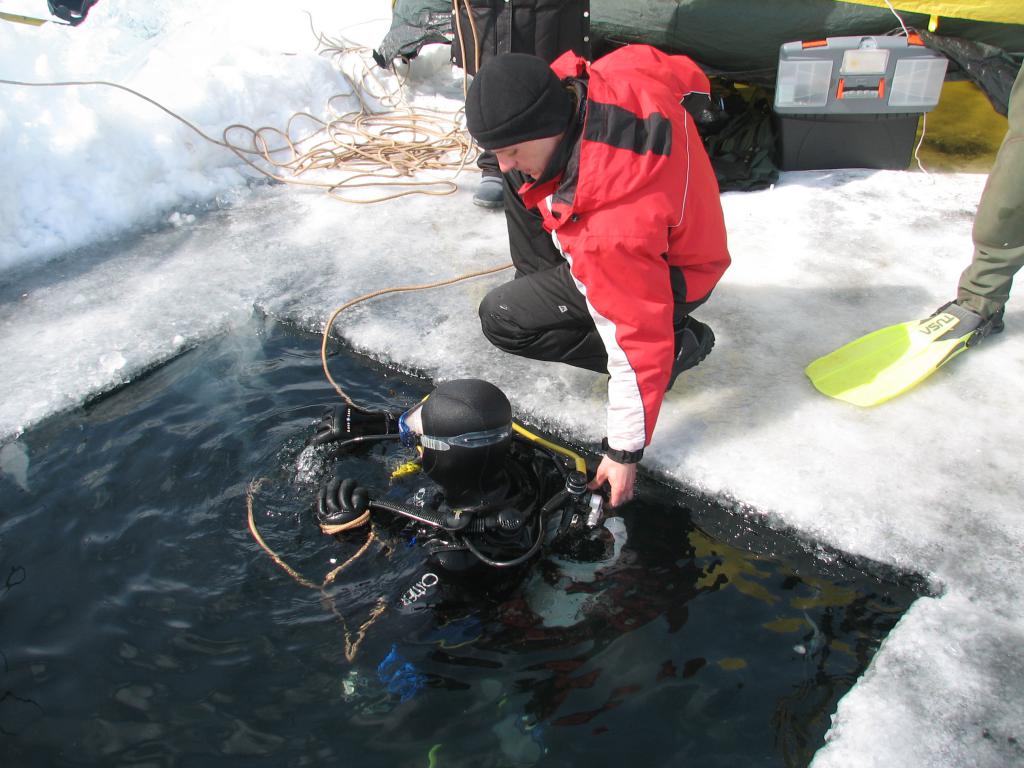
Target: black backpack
[{"x": 739, "y": 137}]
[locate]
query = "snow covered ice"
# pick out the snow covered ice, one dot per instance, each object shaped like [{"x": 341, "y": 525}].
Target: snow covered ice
[{"x": 126, "y": 238}]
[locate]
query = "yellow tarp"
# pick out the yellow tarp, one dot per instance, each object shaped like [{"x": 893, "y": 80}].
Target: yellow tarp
[{"x": 1000, "y": 11}]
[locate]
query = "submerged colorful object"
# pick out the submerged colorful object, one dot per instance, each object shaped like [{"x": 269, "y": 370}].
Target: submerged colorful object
[{"x": 399, "y": 676}]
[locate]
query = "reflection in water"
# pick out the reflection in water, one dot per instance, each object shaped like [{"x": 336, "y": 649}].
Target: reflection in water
[
  {"x": 143, "y": 624},
  {"x": 16, "y": 712}
]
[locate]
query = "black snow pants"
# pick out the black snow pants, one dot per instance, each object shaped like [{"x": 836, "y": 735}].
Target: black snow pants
[{"x": 541, "y": 314}]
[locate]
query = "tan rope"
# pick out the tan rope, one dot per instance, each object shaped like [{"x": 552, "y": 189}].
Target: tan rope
[
  {"x": 351, "y": 152},
  {"x": 376, "y": 149},
  {"x": 351, "y": 644},
  {"x": 254, "y": 486},
  {"x": 330, "y": 577},
  {"x": 333, "y": 530},
  {"x": 64, "y": 83},
  {"x": 381, "y": 292}
]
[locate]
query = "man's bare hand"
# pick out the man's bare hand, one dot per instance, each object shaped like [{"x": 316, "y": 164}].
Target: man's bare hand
[{"x": 620, "y": 477}]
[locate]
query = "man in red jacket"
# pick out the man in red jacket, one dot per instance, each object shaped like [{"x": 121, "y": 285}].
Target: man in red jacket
[{"x": 615, "y": 227}]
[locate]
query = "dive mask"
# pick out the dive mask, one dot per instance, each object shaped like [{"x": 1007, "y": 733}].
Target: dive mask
[{"x": 410, "y": 432}]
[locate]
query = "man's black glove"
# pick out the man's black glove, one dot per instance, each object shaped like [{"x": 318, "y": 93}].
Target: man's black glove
[
  {"x": 342, "y": 422},
  {"x": 341, "y": 501}
]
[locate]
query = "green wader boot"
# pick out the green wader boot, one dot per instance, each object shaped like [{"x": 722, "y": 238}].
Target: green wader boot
[{"x": 999, "y": 224}]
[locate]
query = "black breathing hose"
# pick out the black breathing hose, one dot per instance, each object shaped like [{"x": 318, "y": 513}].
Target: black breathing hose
[
  {"x": 553, "y": 503},
  {"x": 515, "y": 561}
]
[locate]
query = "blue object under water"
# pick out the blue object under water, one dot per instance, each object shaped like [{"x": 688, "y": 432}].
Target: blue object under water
[
  {"x": 144, "y": 624},
  {"x": 401, "y": 678}
]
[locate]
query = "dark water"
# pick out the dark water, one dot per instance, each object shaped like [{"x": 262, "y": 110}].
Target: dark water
[{"x": 143, "y": 625}]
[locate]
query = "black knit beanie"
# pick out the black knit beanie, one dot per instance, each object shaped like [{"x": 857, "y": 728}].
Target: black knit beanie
[{"x": 516, "y": 97}]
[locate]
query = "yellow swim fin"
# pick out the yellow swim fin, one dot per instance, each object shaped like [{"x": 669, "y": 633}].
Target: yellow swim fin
[{"x": 889, "y": 361}]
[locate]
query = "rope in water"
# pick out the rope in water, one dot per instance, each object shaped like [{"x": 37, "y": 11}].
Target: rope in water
[{"x": 352, "y": 641}]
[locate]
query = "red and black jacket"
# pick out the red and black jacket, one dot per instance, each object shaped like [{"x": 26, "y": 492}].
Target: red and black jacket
[{"x": 639, "y": 196}]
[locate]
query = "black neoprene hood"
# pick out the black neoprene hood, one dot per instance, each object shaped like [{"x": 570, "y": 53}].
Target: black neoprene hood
[{"x": 464, "y": 407}]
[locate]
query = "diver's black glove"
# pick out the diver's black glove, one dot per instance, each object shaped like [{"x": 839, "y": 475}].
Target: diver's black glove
[
  {"x": 341, "y": 501},
  {"x": 342, "y": 422}
]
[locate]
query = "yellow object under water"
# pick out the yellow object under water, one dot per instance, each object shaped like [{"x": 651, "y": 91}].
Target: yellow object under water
[
  {"x": 406, "y": 469},
  {"x": 887, "y": 362}
]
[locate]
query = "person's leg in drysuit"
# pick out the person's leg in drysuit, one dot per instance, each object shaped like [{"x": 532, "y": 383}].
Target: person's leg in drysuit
[{"x": 998, "y": 232}]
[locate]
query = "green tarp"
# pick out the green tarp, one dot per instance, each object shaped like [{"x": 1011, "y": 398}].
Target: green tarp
[
  {"x": 743, "y": 36},
  {"x": 740, "y": 39}
]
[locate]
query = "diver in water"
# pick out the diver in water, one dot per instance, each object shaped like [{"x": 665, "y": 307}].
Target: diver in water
[
  {"x": 497, "y": 491},
  {"x": 460, "y": 524}
]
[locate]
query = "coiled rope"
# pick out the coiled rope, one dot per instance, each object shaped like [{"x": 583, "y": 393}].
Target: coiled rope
[
  {"x": 371, "y": 148},
  {"x": 348, "y": 153}
]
